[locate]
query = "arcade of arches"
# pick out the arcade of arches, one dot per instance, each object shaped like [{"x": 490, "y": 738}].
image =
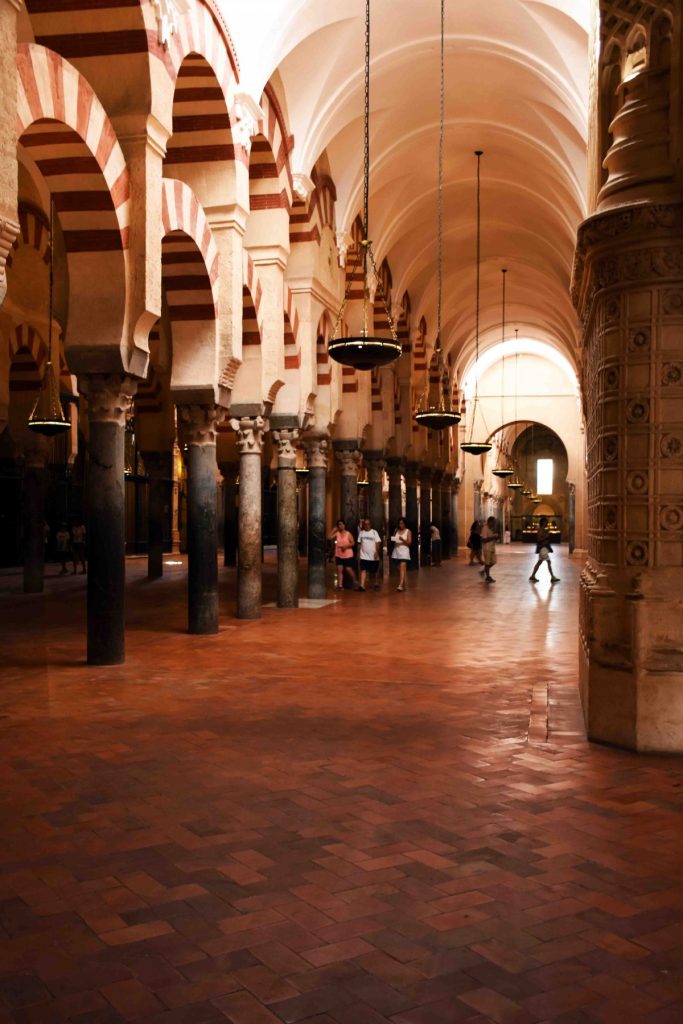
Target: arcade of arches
[{"x": 189, "y": 173}]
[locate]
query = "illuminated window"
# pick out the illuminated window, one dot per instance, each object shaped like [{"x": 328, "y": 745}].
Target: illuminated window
[{"x": 544, "y": 476}]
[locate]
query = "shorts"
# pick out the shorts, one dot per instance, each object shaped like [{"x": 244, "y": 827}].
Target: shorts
[
  {"x": 397, "y": 558},
  {"x": 369, "y": 565},
  {"x": 543, "y": 554},
  {"x": 344, "y": 561}
]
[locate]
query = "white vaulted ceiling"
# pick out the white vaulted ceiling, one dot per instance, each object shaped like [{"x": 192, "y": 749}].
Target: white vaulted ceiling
[{"x": 516, "y": 87}]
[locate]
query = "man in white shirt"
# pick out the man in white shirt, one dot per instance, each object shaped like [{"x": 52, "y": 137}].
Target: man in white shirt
[{"x": 369, "y": 542}]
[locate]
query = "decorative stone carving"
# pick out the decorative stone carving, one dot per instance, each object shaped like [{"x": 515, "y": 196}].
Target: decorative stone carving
[
  {"x": 8, "y": 232},
  {"x": 344, "y": 241},
  {"x": 671, "y": 518},
  {"x": 637, "y": 411},
  {"x": 302, "y": 185},
  {"x": 640, "y": 339},
  {"x": 672, "y": 302},
  {"x": 248, "y": 116},
  {"x": 316, "y": 449},
  {"x": 670, "y": 446},
  {"x": 375, "y": 468},
  {"x": 637, "y": 552},
  {"x": 110, "y": 396},
  {"x": 611, "y": 448},
  {"x": 637, "y": 482},
  {"x": 610, "y": 518},
  {"x": 249, "y": 431},
  {"x": 168, "y": 14},
  {"x": 198, "y": 424},
  {"x": 286, "y": 441},
  {"x": 612, "y": 378},
  {"x": 672, "y": 374},
  {"x": 348, "y": 461}
]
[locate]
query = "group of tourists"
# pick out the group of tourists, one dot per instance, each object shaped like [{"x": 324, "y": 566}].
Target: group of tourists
[
  {"x": 370, "y": 554},
  {"x": 482, "y": 545},
  {"x": 69, "y": 545}
]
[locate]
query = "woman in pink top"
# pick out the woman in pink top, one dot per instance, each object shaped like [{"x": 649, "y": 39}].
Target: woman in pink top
[{"x": 343, "y": 554}]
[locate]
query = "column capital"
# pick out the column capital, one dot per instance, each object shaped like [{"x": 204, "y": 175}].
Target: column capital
[
  {"x": 249, "y": 431},
  {"x": 375, "y": 465},
  {"x": 198, "y": 424},
  {"x": 411, "y": 472},
  {"x": 394, "y": 468},
  {"x": 286, "y": 440},
  {"x": 110, "y": 396},
  {"x": 348, "y": 460},
  {"x": 316, "y": 449},
  {"x": 425, "y": 475}
]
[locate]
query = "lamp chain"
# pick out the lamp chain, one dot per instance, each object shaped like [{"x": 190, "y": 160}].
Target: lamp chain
[
  {"x": 502, "y": 342},
  {"x": 366, "y": 147},
  {"x": 51, "y": 281},
  {"x": 439, "y": 215}
]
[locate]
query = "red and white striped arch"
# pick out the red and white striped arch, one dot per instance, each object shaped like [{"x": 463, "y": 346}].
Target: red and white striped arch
[
  {"x": 310, "y": 217},
  {"x": 251, "y": 304},
  {"x": 26, "y": 337},
  {"x": 64, "y": 127},
  {"x": 181, "y": 211},
  {"x": 270, "y": 172},
  {"x": 34, "y": 232}
]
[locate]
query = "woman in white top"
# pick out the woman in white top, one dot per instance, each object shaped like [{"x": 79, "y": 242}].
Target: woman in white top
[{"x": 402, "y": 540}]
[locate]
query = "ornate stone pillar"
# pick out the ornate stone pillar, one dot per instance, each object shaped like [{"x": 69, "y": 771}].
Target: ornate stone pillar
[
  {"x": 229, "y": 472},
  {"x": 249, "y": 430},
  {"x": 158, "y": 466},
  {"x": 34, "y": 515},
  {"x": 109, "y": 400},
  {"x": 287, "y": 554},
  {"x": 412, "y": 512},
  {"x": 348, "y": 459},
  {"x": 425, "y": 514},
  {"x": 316, "y": 457},
  {"x": 628, "y": 289},
  {"x": 198, "y": 431}
]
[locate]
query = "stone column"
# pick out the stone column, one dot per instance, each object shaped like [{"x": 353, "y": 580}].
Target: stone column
[
  {"x": 628, "y": 289},
  {"x": 198, "y": 431},
  {"x": 158, "y": 469},
  {"x": 348, "y": 459},
  {"x": 437, "y": 477},
  {"x": 229, "y": 472},
  {"x": 446, "y": 516},
  {"x": 109, "y": 401},
  {"x": 374, "y": 463},
  {"x": 287, "y": 553},
  {"x": 425, "y": 514},
  {"x": 316, "y": 457},
  {"x": 249, "y": 430},
  {"x": 571, "y": 517},
  {"x": 455, "y": 542},
  {"x": 302, "y": 513},
  {"x": 476, "y": 504},
  {"x": 412, "y": 513},
  {"x": 395, "y": 473},
  {"x": 34, "y": 516}
]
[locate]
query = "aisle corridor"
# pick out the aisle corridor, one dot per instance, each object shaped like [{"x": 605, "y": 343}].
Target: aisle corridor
[{"x": 383, "y": 809}]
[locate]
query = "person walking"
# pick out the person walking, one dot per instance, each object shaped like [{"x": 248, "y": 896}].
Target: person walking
[
  {"x": 544, "y": 551},
  {"x": 489, "y": 537},
  {"x": 474, "y": 543},
  {"x": 401, "y": 540},
  {"x": 78, "y": 544},
  {"x": 63, "y": 545},
  {"x": 370, "y": 547},
  {"x": 435, "y": 539},
  {"x": 343, "y": 554}
]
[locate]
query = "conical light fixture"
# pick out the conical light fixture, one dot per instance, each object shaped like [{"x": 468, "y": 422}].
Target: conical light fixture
[
  {"x": 503, "y": 471},
  {"x": 515, "y": 483},
  {"x": 47, "y": 416},
  {"x": 364, "y": 351},
  {"x": 435, "y": 408},
  {"x": 470, "y": 446}
]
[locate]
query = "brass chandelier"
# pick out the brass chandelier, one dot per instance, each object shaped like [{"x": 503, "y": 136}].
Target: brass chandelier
[
  {"x": 364, "y": 351},
  {"x": 47, "y": 416},
  {"x": 470, "y": 446},
  {"x": 435, "y": 408}
]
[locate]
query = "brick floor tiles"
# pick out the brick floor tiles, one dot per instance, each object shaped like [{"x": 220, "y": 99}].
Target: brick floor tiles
[{"x": 383, "y": 810}]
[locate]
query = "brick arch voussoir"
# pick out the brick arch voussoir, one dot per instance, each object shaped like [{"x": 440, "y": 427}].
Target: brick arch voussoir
[
  {"x": 182, "y": 211},
  {"x": 199, "y": 34}
]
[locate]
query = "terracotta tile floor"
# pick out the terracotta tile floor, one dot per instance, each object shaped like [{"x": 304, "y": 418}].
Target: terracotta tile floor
[{"x": 381, "y": 810}]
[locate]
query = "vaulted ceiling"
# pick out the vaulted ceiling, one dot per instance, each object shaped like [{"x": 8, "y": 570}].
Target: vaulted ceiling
[{"x": 516, "y": 87}]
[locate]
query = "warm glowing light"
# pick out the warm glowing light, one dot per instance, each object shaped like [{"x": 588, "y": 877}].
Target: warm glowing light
[{"x": 544, "y": 476}]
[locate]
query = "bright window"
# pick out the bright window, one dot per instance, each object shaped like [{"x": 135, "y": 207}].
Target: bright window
[{"x": 544, "y": 476}]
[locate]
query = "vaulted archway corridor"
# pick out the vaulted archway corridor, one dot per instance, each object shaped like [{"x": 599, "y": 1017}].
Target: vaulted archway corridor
[{"x": 382, "y": 809}]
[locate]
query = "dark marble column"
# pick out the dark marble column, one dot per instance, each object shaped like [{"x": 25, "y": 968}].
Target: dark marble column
[
  {"x": 394, "y": 472},
  {"x": 316, "y": 457},
  {"x": 412, "y": 512},
  {"x": 109, "y": 401},
  {"x": 348, "y": 459},
  {"x": 198, "y": 425},
  {"x": 287, "y": 554},
  {"x": 34, "y": 516},
  {"x": 455, "y": 542},
  {"x": 158, "y": 466},
  {"x": 446, "y": 485},
  {"x": 425, "y": 514},
  {"x": 249, "y": 430},
  {"x": 302, "y": 507},
  {"x": 229, "y": 472},
  {"x": 374, "y": 462}
]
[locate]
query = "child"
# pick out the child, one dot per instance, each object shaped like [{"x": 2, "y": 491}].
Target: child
[
  {"x": 474, "y": 543},
  {"x": 488, "y": 541},
  {"x": 544, "y": 551}
]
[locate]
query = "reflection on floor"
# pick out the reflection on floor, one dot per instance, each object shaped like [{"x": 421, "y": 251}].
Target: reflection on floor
[{"x": 383, "y": 809}]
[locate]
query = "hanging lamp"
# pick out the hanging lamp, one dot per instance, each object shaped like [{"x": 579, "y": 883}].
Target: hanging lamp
[
  {"x": 364, "y": 351},
  {"x": 515, "y": 484},
  {"x": 435, "y": 408},
  {"x": 503, "y": 471},
  {"x": 470, "y": 446},
  {"x": 47, "y": 416}
]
